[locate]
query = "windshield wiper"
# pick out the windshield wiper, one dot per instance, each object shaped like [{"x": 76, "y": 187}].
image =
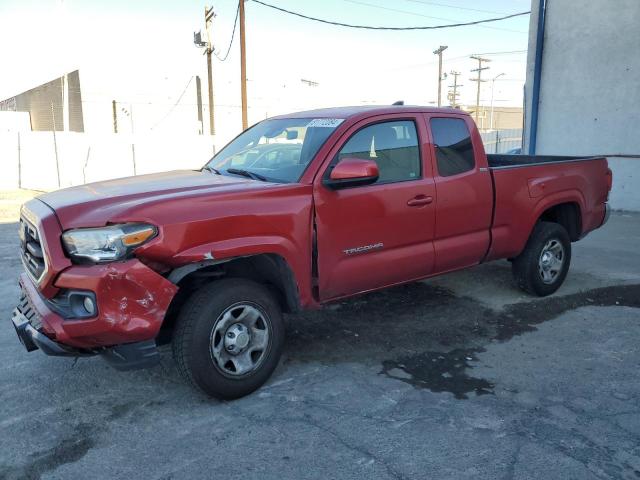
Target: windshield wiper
[
  {"x": 247, "y": 173},
  {"x": 211, "y": 169}
]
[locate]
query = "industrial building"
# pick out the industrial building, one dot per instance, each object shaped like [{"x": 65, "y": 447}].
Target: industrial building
[
  {"x": 55, "y": 105},
  {"x": 583, "y": 86},
  {"x": 82, "y": 101}
]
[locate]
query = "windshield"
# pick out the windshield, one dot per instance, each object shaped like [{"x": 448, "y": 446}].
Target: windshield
[{"x": 276, "y": 150}]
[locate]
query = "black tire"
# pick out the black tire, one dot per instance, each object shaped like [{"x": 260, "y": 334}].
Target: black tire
[
  {"x": 526, "y": 267},
  {"x": 197, "y": 329}
]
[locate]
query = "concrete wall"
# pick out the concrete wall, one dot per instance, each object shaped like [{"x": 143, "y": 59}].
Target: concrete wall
[{"x": 590, "y": 88}]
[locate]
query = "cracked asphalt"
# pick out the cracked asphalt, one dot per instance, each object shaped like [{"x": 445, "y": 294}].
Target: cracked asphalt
[{"x": 462, "y": 376}]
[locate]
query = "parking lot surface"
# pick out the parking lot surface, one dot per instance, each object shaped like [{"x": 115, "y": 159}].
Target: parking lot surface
[{"x": 461, "y": 376}]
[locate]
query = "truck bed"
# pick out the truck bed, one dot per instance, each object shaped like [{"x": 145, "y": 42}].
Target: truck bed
[
  {"x": 524, "y": 185},
  {"x": 511, "y": 161}
]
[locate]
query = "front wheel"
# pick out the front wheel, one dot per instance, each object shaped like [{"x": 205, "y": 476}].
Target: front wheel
[
  {"x": 543, "y": 264},
  {"x": 229, "y": 338}
]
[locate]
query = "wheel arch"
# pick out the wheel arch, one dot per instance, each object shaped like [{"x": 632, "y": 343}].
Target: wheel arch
[
  {"x": 567, "y": 214},
  {"x": 565, "y": 208},
  {"x": 270, "y": 269}
]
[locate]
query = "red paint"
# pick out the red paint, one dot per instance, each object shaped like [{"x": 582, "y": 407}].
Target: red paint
[
  {"x": 370, "y": 215},
  {"x": 368, "y": 237},
  {"x": 349, "y": 168},
  {"x": 464, "y": 208},
  {"x": 517, "y": 209}
]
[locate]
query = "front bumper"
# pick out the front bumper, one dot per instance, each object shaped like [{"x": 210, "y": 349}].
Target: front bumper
[
  {"x": 132, "y": 301},
  {"x": 130, "y": 356},
  {"x": 32, "y": 339}
]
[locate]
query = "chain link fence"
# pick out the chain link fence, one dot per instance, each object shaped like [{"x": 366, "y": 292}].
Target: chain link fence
[
  {"x": 47, "y": 161},
  {"x": 502, "y": 141}
]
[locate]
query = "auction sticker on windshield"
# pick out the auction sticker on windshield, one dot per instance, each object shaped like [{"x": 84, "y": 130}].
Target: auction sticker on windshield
[{"x": 325, "y": 122}]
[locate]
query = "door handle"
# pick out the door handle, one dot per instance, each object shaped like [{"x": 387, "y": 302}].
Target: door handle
[{"x": 420, "y": 201}]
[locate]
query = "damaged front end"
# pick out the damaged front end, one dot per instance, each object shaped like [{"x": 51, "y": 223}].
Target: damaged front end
[
  {"x": 110, "y": 309},
  {"x": 131, "y": 301}
]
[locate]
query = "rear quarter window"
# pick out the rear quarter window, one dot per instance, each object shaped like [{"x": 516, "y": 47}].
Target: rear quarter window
[{"x": 453, "y": 146}]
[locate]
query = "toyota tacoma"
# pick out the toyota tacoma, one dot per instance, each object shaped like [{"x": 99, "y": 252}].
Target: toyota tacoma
[{"x": 297, "y": 211}]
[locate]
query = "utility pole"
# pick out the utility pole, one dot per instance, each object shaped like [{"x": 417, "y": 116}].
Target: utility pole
[
  {"x": 439, "y": 53},
  {"x": 243, "y": 67},
  {"x": 114, "y": 112},
  {"x": 453, "y": 95},
  {"x": 199, "y": 105},
  {"x": 208, "y": 16},
  {"x": 493, "y": 84},
  {"x": 55, "y": 143},
  {"x": 129, "y": 113},
  {"x": 479, "y": 80}
]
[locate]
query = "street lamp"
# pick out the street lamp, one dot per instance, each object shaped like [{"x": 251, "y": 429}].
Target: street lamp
[{"x": 493, "y": 84}]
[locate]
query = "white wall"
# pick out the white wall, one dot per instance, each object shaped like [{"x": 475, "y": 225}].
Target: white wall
[
  {"x": 8, "y": 160},
  {"x": 84, "y": 158},
  {"x": 590, "y": 87},
  {"x": 626, "y": 183}
]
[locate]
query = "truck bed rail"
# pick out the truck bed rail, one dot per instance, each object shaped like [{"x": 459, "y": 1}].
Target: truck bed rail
[{"x": 514, "y": 161}]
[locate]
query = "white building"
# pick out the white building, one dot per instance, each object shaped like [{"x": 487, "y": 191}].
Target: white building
[{"x": 588, "y": 65}]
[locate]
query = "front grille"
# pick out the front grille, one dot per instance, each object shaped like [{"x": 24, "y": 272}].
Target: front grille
[
  {"x": 31, "y": 249},
  {"x": 26, "y": 308}
]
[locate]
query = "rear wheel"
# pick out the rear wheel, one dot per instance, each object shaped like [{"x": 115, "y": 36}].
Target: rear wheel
[
  {"x": 543, "y": 264},
  {"x": 229, "y": 338}
]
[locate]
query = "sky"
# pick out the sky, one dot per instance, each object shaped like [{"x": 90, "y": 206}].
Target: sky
[{"x": 142, "y": 53}]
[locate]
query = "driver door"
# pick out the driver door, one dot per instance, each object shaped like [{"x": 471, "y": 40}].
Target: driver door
[{"x": 376, "y": 235}]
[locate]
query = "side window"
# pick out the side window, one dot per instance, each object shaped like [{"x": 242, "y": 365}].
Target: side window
[
  {"x": 452, "y": 142},
  {"x": 392, "y": 145}
]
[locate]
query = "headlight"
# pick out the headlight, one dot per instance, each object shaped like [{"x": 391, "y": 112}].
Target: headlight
[{"x": 106, "y": 244}]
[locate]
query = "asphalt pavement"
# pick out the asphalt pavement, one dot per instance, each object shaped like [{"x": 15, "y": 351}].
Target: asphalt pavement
[{"x": 458, "y": 377}]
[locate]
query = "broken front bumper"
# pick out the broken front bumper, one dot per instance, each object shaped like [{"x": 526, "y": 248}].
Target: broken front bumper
[
  {"x": 132, "y": 301},
  {"x": 31, "y": 338},
  {"x": 130, "y": 356}
]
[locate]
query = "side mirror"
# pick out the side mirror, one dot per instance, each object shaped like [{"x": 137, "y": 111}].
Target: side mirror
[
  {"x": 352, "y": 172},
  {"x": 292, "y": 134}
]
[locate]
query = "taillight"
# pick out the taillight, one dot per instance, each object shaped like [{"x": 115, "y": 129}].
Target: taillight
[{"x": 609, "y": 179}]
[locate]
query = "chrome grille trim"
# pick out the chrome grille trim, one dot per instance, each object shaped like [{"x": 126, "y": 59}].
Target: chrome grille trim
[{"x": 29, "y": 233}]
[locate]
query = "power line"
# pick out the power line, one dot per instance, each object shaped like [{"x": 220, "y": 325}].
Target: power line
[
  {"x": 233, "y": 33},
  {"x": 370, "y": 27},
  {"x": 423, "y": 2},
  {"x": 502, "y": 53},
  {"x": 175, "y": 104},
  {"x": 416, "y": 14},
  {"x": 450, "y": 60}
]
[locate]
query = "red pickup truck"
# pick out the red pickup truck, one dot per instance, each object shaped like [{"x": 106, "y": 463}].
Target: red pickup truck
[{"x": 297, "y": 211}]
